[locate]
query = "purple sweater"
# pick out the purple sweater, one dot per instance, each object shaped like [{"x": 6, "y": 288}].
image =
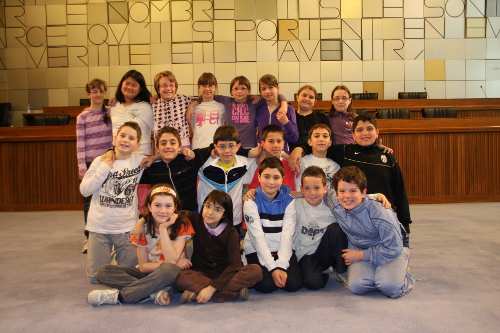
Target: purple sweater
[
  {"x": 93, "y": 137},
  {"x": 341, "y": 126},
  {"x": 264, "y": 118}
]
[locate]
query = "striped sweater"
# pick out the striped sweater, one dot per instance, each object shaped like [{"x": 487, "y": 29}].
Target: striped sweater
[
  {"x": 271, "y": 225},
  {"x": 93, "y": 137}
]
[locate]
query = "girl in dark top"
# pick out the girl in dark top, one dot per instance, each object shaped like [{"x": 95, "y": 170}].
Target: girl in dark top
[
  {"x": 215, "y": 270},
  {"x": 306, "y": 117}
]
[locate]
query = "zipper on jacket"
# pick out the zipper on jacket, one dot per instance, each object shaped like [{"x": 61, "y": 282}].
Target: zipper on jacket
[
  {"x": 170, "y": 176},
  {"x": 225, "y": 183}
]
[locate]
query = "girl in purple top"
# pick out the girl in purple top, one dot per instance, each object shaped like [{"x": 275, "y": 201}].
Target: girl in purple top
[
  {"x": 341, "y": 116},
  {"x": 93, "y": 135},
  {"x": 271, "y": 113},
  {"x": 241, "y": 109}
]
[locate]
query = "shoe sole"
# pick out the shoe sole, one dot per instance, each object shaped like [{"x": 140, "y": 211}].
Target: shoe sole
[
  {"x": 244, "y": 294},
  {"x": 187, "y": 296}
]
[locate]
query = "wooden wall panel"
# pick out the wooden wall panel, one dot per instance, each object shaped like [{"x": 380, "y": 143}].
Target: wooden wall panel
[
  {"x": 466, "y": 108},
  {"x": 455, "y": 166},
  {"x": 39, "y": 175},
  {"x": 443, "y": 160}
]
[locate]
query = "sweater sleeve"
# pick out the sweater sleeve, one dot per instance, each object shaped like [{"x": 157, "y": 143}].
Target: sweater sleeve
[
  {"x": 95, "y": 177},
  {"x": 288, "y": 229},
  {"x": 257, "y": 236},
  {"x": 391, "y": 246},
  {"x": 80, "y": 143},
  {"x": 290, "y": 129},
  {"x": 234, "y": 261}
]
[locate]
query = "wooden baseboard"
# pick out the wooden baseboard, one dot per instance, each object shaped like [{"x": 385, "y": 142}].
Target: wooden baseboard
[
  {"x": 40, "y": 208},
  {"x": 453, "y": 199}
]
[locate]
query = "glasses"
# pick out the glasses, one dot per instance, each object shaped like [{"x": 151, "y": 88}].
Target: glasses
[
  {"x": 214, "y": 209},
  {"x": 224, "y": 147},
  {"x": 338, "y": 98},
  {"x": 238, "y": 88},
  {"x": 167, "y": 86},
  {"x": 97, "y": 91}
]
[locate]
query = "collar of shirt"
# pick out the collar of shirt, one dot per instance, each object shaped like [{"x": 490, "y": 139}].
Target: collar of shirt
[{"x": 215, "y": 232}]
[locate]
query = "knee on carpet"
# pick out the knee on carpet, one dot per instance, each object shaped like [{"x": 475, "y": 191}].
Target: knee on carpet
[{"x": 360, "y": 287}]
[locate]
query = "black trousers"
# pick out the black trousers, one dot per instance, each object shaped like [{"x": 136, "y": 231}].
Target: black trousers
[
  {"x": 293, "y": 281},
  {"x": 328, "y": 253}
]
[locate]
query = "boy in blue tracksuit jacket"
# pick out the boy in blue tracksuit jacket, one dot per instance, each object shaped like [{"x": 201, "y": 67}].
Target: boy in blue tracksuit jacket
[{"x": 378, "y": 251}]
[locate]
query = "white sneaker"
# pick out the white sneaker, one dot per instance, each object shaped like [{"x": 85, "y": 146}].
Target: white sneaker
[
  {"x": 106, "y": 296},
  {"x": 85, "y": 246},
  {"x": 342, "y": 278},
  {"x": 329, "y": 270},
  {"x": 159, "y": 296}
]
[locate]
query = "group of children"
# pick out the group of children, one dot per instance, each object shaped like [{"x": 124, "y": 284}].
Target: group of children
[{"x": 289, "y": 243}]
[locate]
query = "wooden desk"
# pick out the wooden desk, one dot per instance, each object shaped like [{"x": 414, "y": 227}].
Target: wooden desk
[
  {"x": 466, "y": 107},
  {"x": 73, "y": 111},
  {"x": 39, "y": 169},
  {"x": 443, "y": 160},
  {"x": 446, "y": 160}
]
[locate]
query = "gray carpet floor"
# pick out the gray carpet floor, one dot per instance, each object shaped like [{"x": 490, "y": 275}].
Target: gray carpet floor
[{"x": 455, "y": 255}]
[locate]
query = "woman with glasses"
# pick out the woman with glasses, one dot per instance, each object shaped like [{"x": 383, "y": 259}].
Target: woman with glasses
[
  {"x": 169, "y": 107},
  {"x": 341, "y": 116}
]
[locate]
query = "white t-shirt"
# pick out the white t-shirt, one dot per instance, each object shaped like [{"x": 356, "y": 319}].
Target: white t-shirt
[
  {"x": 140, "y": 113},
  {"x": 328, "y": 166},
  {"x": 113, "y": 209},
  {"x": 208, "y": 116},
  {"x": 311, "y": 224}
]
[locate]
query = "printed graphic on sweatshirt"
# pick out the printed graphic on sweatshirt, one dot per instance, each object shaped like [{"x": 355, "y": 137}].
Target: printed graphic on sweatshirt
[
  {"x": 249, "y": 219},
  {"x": 240, "y": 113},
  {"x": 119, "y": 188},
  {"x": 312, "y": 230}
]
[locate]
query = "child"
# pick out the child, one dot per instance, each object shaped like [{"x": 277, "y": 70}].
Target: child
[
  {"x": 377, "y": 163},
  {"x": 132, "y": 104},
  {"x": 273, "y": 142},
  {"x": 306, "y": 117},
  {"x": 174, "y": 169},
  {"x": 341, "y": 116},
  {"x": 209, "y": 115},
  {"x": 319, "y": 140},
  {"x": 270, "y": 221},
  {"x": 170, "y": 108},
  {"x": 93, "y": 136},
  {"x": 158, "y": 253},
  {"x": 228, "y": 172},
  {"x": 217, "y": 272},
  {"x": 318, "y": 238},
  {"x": 113, "y": 210},
  {"x": 271, "y": 114},
  {"x": 378, "y": 250},
  {"x": 241, "y": 110}
]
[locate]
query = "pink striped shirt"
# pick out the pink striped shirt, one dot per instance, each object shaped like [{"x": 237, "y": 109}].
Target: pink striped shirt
[{"x": 93, "y": 137}]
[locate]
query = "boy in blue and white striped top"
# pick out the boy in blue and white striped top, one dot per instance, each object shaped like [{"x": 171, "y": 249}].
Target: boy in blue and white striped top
[{"x": 270, "y": 220}]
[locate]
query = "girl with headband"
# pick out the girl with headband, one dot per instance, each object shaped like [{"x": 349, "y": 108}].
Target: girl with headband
[{"x": 160, "y": 251}]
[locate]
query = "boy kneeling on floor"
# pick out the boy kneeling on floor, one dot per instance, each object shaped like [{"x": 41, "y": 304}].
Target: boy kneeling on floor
[{"x": 378, "y": 251}]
